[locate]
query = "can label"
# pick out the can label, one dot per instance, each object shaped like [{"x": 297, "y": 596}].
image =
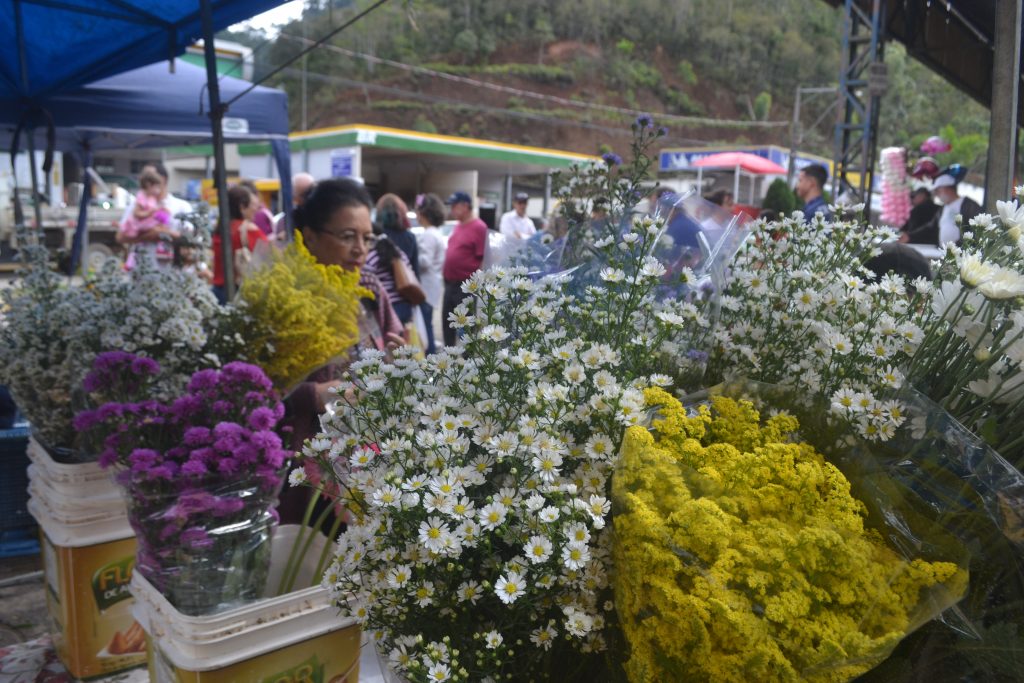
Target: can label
[{"x": 91, "y": 607}]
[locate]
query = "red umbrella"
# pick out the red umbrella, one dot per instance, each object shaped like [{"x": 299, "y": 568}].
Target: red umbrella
[{"x": 751, "y": 163}]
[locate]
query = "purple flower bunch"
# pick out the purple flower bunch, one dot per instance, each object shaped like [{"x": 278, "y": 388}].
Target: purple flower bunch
[
  {"x": 200, "y": 470},
  {"x": 221, "y": 427}
]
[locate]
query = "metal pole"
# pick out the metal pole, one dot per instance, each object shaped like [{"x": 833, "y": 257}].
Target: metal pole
[
  {"x": 794, "y": 139},
  {"x": 1005, "y": 80},
  {"x": 219, "y": 169},
  {"x": 508, "y": 193},
  {"x": 38, "y": 210},
  {"x": 305, "y": 58},
  {"x": 547, "y": 194}
]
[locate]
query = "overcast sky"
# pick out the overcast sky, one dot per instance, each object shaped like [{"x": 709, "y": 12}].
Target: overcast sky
[{"x": 269, "y": 20}]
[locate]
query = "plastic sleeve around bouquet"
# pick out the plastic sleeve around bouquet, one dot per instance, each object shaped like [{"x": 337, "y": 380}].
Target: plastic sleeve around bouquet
[
  {"x": 205, "y": 549},
  {"x": 742, "y": 554},
  {"x": 935, "y": 477}
]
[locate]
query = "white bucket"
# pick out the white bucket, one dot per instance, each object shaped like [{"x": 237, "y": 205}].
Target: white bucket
[
  {"x": 255, "y": 641},
  {"x": 79, "y": 481},
  {"x": 88, "y": 551}
]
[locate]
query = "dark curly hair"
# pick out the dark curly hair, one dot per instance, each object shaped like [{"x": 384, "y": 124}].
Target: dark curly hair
[{"x": 326, "y": 197}]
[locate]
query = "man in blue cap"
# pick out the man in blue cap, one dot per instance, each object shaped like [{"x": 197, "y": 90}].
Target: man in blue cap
[{"x": 464, "y": 256}]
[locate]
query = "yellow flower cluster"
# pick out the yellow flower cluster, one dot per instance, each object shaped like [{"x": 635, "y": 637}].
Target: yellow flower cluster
[
  {"x": 308, "y": 310},
  {"x": 742, "y": 556}
]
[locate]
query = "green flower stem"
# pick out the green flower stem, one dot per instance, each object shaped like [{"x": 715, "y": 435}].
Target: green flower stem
[
  {"x": 313, "y": 531},
  {"x": 320, "y": 566},
  {"x": 293, "y": 558}
]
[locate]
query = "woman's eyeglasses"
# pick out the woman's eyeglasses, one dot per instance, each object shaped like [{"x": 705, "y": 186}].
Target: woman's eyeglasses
[{"x": 349, "y": 238}]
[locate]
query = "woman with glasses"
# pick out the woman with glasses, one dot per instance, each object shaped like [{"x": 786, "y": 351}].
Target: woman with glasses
[{"x": 335, "y": 224}]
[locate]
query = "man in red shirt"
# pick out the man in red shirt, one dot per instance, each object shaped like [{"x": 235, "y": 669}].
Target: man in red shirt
[{"x": 463, "y": 258}]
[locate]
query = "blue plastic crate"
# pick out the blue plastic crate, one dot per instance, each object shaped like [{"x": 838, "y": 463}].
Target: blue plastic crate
[{"x": 15, "y": 521}]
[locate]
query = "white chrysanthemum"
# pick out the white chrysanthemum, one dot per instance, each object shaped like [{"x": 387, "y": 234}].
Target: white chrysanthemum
[
  {"x": 469, "y": 591},
  {"x": 599, "y": 446},
  {"x": 598, "y": 506},
  {"x": 574, "y": 373},
  {"x": 843, "y": 400},
  {"x": 546, "y": 465},
  {"x": 537, "y": 549},
  {"x": 399, "y": 576},
  {"x": 424, "y": 594},
  {"x": 297, "y": 477},
  {"x": 652, "y": 268},
  {"x": 973, "y": 270},
  {"x": 494, "y": 333},
  {"x": 510, "y": 587},
  {"x": 432, "y": 534},
  {"x": 543, "y": 637},
  {"x": 613, "y": 275},
  {"x": 492, "y": 516},
  {"x": 1002, "y": 283},
  {"x": 493, "y": 640},
  {"x": 575, "y": 555},
  {"x": 548, "y": 515},
  {"x": 386, "y": 496},
  {"x": 439, "y": 672},
  {"x": 577, "y": 623},
  {"x": 577, "y": 533}
]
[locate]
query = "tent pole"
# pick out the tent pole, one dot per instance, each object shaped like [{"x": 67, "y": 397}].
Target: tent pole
[
  {"x": 736, "y": 184},
  {"x": 219, "y": 170},
  {"x": 38, "y": 210}
]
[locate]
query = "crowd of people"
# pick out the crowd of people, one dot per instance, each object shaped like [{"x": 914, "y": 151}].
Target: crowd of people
[{"x": 419, "y": 273}]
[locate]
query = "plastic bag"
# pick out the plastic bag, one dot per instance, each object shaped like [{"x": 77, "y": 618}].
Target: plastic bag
[
  {"x": 934, "y": 479},
  {"x": 206, "y": 549},
  {"x": 744, "y": 555}
]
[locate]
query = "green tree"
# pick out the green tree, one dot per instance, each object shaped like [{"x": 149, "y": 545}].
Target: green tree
[
  {"x": 762, "y": 106},
  {"x": 686, "y": 72},
  {"x": 467, "y": 44},
  {"x": 424, "y": 125},
  {"x": 780, "y": 198}
]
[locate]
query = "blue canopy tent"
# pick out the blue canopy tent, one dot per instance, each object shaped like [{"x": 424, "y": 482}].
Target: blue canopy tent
[
  {"x": 153, "y": 107},
  {"x": 52, "y": 46}
]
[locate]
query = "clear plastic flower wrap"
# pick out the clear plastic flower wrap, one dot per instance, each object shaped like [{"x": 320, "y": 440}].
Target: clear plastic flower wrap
[
  {"x": 201, "y": 474},
  {"x": 744, "y": 553},
  {"x": 204, "y": 548}
]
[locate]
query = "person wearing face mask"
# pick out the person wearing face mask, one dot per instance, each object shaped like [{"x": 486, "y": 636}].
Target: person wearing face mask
[{"x": 944, "y": 228}]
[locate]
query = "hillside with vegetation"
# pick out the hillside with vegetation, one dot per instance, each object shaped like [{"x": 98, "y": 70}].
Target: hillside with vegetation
[{"x": 570, "y": 74}]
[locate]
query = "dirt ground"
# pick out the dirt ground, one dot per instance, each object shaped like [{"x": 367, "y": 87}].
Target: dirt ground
[{"x": 22, "y": 600}]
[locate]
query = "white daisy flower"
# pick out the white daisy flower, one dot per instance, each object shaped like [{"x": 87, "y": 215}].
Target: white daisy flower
[
  {"x": 492, "y": 516},
  {"x": 537, "y": 549},
  {"x": 399, "y": 575},
  {"x": 510, "y": 587},
  {"x": 493, "y": 640}
]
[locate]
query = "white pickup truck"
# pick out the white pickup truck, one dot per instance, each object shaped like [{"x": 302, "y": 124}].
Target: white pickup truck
[{"x": 59, "y": 230}]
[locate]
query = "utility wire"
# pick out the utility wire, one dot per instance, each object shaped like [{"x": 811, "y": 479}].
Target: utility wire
[
  {"x": 501, "y": 111},
  {"x": 529, "y": 93},
  {"x": 306, "y": 51}
]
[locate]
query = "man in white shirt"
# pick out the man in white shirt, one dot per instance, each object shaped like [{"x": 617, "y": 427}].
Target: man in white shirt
[
  {"x": 515, "y": 224},
  {"x": 953, "y": 205}
]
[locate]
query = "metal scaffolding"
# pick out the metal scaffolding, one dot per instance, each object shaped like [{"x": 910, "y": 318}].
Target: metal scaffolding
[{"x": 862, "y": 82}]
